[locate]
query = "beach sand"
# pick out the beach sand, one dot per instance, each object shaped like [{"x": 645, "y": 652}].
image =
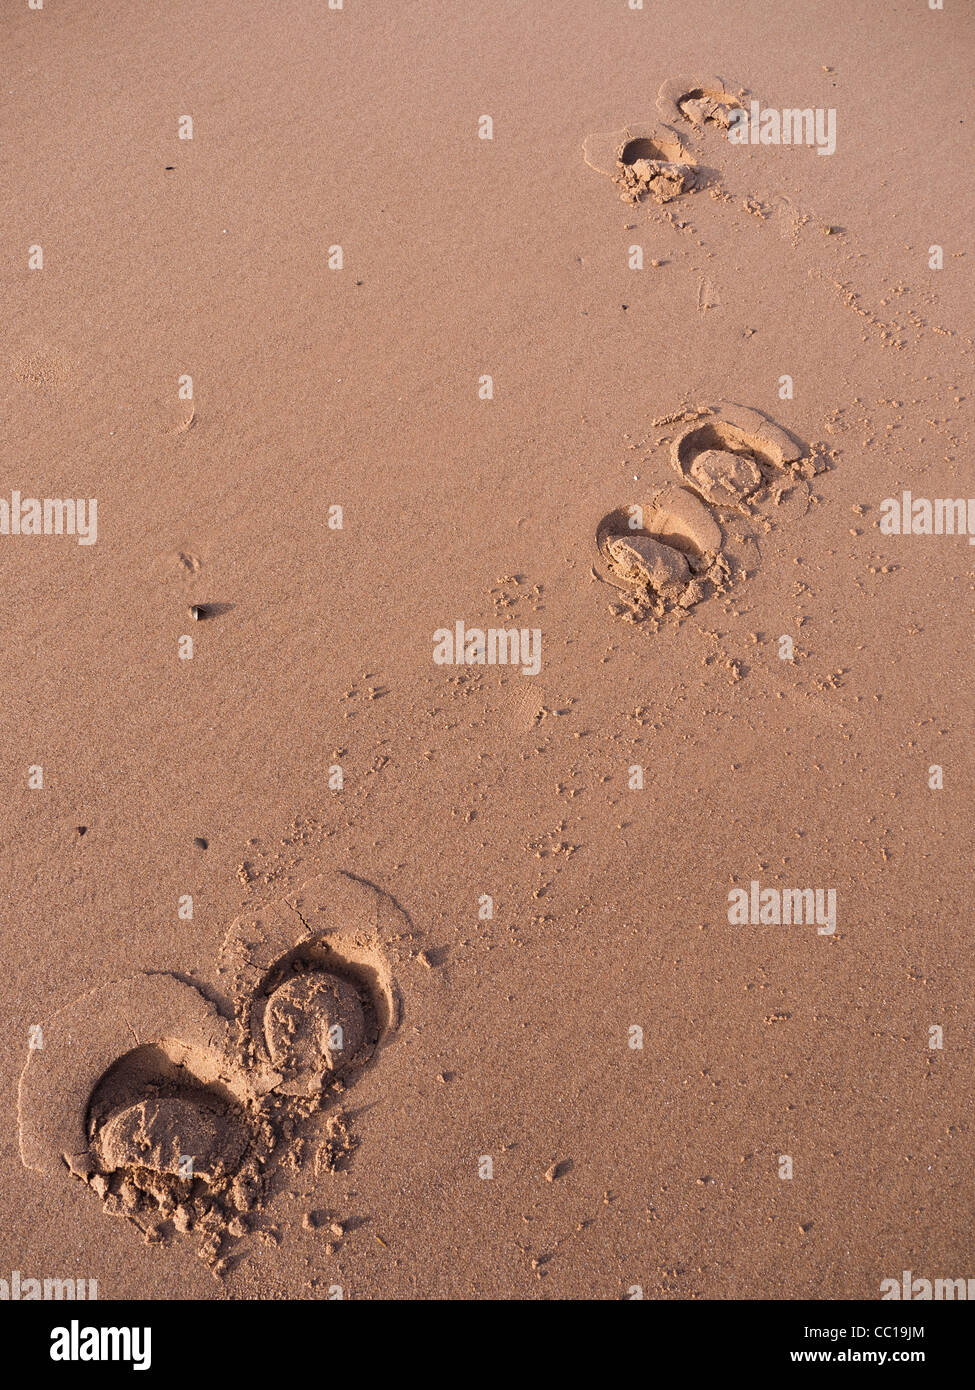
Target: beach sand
[{"x": 577, "y": 1070}]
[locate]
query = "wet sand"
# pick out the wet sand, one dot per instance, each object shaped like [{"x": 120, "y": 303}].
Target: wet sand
[{"x": 576, "y": 1015}]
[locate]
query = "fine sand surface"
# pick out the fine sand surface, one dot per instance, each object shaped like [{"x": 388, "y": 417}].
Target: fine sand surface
[{"x": 567, "y": 1067}]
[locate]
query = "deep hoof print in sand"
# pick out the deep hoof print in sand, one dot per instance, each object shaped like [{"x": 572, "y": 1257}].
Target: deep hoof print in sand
[
  {"x": 664, "y": 557},
  {"x": 643, "y": 162},
  {"x": 735, "y": 457},
  {"x": 177, "y": 1112},
  {"x": 700, "y": 100},
  {"x": 135, "y": 1091},
  {"x": 312, "y": 988},
  {"x": 672, "y": 554}
]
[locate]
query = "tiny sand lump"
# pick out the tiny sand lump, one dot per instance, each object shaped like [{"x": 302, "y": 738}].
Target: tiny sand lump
[
  {"x": 174, "y": 1110},
  {"x": 675, "y": 559}
]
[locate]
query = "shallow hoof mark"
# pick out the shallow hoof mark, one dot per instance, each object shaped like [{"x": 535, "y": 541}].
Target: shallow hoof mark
[{"x": 700, "y": 100}]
